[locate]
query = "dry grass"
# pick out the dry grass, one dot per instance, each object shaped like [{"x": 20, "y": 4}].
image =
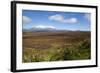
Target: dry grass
[{"x": 38, "y": 47}]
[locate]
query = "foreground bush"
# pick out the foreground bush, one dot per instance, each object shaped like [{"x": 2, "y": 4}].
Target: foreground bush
[{"x": 78, "y": 51}]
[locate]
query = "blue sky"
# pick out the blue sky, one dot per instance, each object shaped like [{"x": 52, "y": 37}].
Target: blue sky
[{"x": 56, "y": 20}]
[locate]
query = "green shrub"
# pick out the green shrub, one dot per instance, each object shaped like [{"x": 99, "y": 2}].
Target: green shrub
[{"x": 78, "y": 51}]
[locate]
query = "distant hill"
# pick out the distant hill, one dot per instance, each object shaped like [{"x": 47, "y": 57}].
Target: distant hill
[
  {"x": 44, "y": 30},
  {"x": 50, "y": 30}
]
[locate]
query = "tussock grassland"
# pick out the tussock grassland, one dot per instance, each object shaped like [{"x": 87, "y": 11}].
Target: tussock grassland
[{"x": 40, "y": 47}]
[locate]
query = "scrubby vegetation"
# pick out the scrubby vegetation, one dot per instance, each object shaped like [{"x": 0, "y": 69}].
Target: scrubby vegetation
[{"x": 77, "y": 51}]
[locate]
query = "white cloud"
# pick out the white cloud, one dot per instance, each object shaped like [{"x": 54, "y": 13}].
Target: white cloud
[
  {"x": 71, "y": 20},
  {"x": 61, "y": 19},
  {"x": 56, "y": 17},
  {"x": 44, "y": 27},
  {"x": 87, "y": 16},
  {"x": 26, "y": 20}
]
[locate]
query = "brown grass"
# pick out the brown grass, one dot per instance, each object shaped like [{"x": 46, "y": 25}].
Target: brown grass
[{"x": 42, "y": 41}]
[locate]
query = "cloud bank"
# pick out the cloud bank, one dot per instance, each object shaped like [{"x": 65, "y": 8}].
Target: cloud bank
[
  {"x": 87, "y": 16},
  {"x": 60, "y": 18},
  {"x": 26, "y": 20}
]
